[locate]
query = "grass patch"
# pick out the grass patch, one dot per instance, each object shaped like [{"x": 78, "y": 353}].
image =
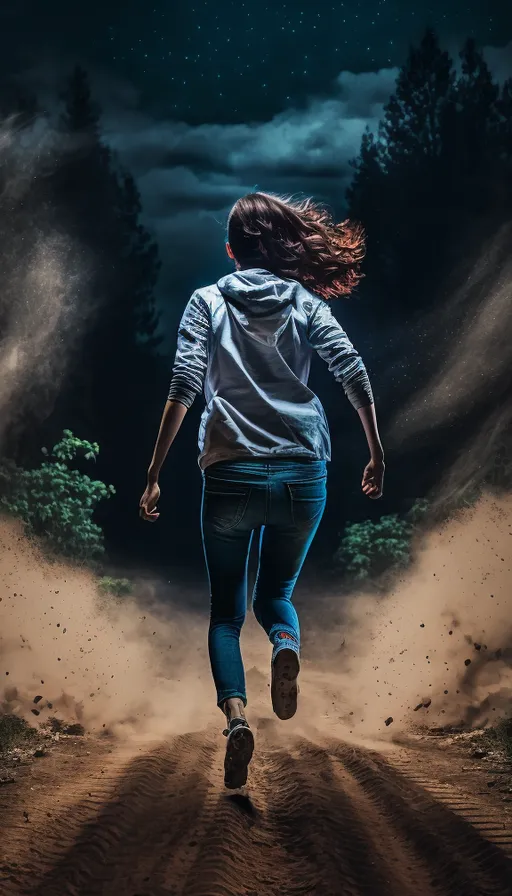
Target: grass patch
[{"x": 15, "y": 732}]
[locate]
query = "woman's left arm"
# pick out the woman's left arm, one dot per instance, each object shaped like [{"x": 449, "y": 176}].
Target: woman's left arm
[{"x": 172, "y": 418}]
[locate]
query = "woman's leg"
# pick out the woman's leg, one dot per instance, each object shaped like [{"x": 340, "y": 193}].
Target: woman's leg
[
  {"x": 283, "y": 547},
  {"x": 227, "y": 541},
  {"x": 226, "y": 559},
  {"x": 226, "y": 549},
  {"x": 298, "y": 506}
]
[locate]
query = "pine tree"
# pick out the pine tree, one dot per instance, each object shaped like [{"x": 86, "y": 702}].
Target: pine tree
[
  {"x": 410, "y": 135},
  {"x": 430, "y": 180},
  {"x": 398, "y": 176},
  {"x": 367, "y": 174},
  {"x": 431, "y": 187},
  {"x": 368, "y": 196},
  {"x": 475, "y": 95}
]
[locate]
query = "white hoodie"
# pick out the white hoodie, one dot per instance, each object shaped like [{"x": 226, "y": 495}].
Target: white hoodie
[{"x": 247, "y": 342}]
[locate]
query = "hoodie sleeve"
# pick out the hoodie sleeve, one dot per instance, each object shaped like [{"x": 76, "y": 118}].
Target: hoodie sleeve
[
  {"x": 191, "y": 358},
  {"x": 331, "y": 342}
]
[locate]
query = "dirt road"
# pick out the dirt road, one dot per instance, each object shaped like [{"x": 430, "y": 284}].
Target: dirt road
[{"x": 327, "y": 818}]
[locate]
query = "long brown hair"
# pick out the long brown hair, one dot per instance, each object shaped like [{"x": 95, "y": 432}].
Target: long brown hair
[{"x": 298, "y": 240}]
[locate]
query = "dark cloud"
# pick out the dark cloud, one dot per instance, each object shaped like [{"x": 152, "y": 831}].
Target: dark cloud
[
  {"x": 190, "y": 176},
  {"x": 168, "y": 191}
]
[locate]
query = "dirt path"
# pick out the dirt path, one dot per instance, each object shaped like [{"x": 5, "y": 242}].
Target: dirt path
[{"x": 328, "y": 819}]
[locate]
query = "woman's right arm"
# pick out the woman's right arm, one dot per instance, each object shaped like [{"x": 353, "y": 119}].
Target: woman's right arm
[{"x": 373, "y": 476}]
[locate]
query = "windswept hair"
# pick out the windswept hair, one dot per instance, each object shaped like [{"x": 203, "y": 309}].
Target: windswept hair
[{"x": 297, "y": 240}]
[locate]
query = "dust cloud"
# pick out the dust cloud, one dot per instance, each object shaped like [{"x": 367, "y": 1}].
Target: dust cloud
[
  {"x": 468, "y": 338},
  {"x": 471, "y": 342},
  {"x": 42, "y": 305},
  {"x": 130, "y": 666},
  {"x": 437, "y": 650}
]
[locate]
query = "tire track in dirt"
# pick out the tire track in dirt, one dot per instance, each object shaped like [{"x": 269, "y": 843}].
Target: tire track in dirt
[
  {"x": 45, "y": 809},
  {"x": 241, "y": 851},
  {"x": 319, "y": 821},
  {"x": 265, "y": 842},
  {"x": 366, "y": 837},
  {"x": 462, "y": 860},
  {"x": 141, "y": 833},
  {"x": 494, "y": 822},
  {"x": 315, "y": 820}
]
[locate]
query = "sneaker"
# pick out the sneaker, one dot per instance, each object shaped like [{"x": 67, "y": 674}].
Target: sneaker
[
  {"x": 285, "y": 669},
  {"x": 239, "y": 750}
]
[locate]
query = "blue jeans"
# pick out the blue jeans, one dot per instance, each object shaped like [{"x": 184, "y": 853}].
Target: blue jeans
[{"x": 284, "y": 498}]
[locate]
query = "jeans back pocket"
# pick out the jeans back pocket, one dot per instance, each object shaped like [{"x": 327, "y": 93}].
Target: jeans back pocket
[
  {"x": 224, "y": 502},
  {"x": 307, "y": 498}
]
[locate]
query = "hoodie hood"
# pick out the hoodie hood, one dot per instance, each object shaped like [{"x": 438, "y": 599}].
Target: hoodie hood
[{"x": 257, "y": 291}]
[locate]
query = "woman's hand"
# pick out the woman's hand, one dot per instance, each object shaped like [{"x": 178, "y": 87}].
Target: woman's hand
[
  {"x": 149, "y": 501},
  {"x": 373, "y": 479}
]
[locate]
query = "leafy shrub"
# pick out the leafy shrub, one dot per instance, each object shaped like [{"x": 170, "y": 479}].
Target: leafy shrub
[
  {"x": 119, "y": 587},
  {"x": 369, "y": 549},
  {"x": 58, "y": 502}
]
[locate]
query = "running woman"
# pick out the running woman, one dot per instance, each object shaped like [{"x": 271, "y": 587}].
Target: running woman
[{"x": 247, "y": 342}]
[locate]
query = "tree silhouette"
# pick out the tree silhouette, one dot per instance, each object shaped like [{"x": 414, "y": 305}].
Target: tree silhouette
[
  {"x": 435, "y": 180},
  {"x": 116, "y": 364},
  {"x": 432, "y": 186},
  {"x": 410, "y": 132},
  {"x": 396, "y": 186}
]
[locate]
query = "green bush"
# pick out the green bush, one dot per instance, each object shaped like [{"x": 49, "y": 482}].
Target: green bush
[
  {"x": 369, "y": 549},
  {"x": 119, "y": 587},
  {"x": 57, "y": 502}
]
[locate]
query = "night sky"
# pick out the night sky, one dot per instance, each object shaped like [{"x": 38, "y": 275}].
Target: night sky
[
  {"x": 207, "y": 100},
  {"x": 239, "y": 60}
]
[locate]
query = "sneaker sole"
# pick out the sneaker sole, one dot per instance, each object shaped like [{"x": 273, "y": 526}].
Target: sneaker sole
[
  {"x": 284, "y": 690},
  {"x": 239, "y": 750}
]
